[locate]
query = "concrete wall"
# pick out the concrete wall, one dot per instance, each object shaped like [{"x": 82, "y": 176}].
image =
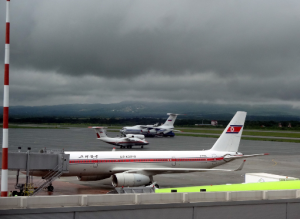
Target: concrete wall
[
  {"x": 137, "y": 199},
  {"x": 266, "y": 209}
]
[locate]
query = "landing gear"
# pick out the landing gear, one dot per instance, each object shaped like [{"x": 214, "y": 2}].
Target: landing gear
[
  {"x": 129, "y": 146},
  {"x": 156, "y": 186},
  {"x": 142, "y": 146}
]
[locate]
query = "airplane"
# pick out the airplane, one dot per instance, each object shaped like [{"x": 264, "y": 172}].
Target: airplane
[
  {"x": 165, "y": 130},
  {"x": 137, "y": 168},
  {"x": 128, "y": 141}
]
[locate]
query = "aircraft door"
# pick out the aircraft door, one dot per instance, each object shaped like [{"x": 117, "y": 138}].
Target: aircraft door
[
  {"x": 173, "y": 161},
  {"x": 214, "y": 162},
  {"x": 95, "y": 161}
]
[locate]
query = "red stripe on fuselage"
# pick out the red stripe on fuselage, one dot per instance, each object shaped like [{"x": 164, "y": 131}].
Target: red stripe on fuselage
[{"x": 146, "y": 160}]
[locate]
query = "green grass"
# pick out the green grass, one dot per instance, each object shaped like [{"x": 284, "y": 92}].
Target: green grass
[
  {"x": 34, "y": 127},
  {"x": 271, "y": 139},
  {"x": 274, "y": 134},
  {"x": 269, "y": 134},
  {"x": 86, "y": 125},
  {"x": 197, "y": 135},
  {"x": 281, "y": 185},
  {"x": 202, "y": 131},
  {"x": 244, "y": 138}
]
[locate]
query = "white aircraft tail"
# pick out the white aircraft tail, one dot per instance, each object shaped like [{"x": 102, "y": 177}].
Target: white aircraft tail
[
  {"x": 100, "y": 132},
  {"x": 231, "y": 136},
  {"x": 170, "y": 121}
]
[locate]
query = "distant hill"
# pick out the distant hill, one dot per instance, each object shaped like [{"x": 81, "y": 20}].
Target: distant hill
[{"x": 159, "y": 110}]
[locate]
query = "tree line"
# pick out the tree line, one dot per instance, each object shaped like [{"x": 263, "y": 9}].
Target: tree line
[{"x": 146, "y": 121}]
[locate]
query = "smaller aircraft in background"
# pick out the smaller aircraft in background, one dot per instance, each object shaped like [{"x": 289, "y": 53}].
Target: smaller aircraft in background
[
  {"x": 124, "y": 142},
  {"x": 164, "y": 130}
]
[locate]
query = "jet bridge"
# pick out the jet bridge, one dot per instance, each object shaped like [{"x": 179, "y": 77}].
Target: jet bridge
[{"x": 54, "y": 162}]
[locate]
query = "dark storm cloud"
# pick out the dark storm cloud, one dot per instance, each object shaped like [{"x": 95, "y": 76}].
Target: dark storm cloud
[
  {"x": 107, "y": 39},
  {"x": 232, "y": 51}
]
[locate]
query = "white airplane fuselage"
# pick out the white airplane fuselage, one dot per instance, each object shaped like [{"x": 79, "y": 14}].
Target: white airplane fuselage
[
  {"x": 165, "y": 129},
  {"x": 123, "y": 141},
  {"x": 88, "y": 163},
  {"x": 149, "y": 131}
]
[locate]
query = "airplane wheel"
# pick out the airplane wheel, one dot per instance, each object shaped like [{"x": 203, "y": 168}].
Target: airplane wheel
[
  {"x": 142, "y": 146},
  {"x": 156, "y": 186},
  {"x": 130, "y": 146}
]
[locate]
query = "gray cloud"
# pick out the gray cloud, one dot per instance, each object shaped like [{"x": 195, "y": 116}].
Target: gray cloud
[{"x": 108, "y": 51}]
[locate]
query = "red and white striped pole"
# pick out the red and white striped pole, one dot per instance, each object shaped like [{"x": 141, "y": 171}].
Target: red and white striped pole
[{"x": 4, "y": 171}]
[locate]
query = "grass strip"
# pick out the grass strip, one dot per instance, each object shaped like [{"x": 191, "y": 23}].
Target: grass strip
[
  {"x": 202, "y": 131},
  {"x": 269, "y": 134},
  {"x": 198, "y": 135},
  {"x": 244, "y": 138},
  {"x": 33, "y": 127}
]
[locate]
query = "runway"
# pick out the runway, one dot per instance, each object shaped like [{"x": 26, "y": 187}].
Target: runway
[{"x": 284, "y": 158}]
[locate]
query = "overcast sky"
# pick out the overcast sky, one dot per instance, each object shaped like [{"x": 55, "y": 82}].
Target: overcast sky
[{"x": 214, "y": 51}]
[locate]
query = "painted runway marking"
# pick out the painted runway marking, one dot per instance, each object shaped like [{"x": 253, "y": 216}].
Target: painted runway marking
[{"x": 275, "y": 163}]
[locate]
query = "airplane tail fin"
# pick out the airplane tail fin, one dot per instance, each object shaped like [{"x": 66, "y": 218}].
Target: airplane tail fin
[
  {"x": 100, "y": 131},
  {"x": 231, "y": 136},
  {"x": 170, "y": 121}
]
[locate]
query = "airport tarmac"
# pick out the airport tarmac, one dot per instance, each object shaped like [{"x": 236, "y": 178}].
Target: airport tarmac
[{"x": 284, "y": 158}]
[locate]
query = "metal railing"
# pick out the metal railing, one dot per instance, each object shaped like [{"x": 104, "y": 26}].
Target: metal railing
[{"x": 48, "y": 179}]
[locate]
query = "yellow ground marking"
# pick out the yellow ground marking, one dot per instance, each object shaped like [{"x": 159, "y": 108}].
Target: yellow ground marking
[{"x": 275, "y": 163}]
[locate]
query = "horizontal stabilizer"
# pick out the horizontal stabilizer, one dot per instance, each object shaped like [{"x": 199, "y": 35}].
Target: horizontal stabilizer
[
  {"x": 96, "y": 127},
  {"x": 174, "y": 130},
  {"x": 231, "y": 157},
  {"x": 131, "y": 139}
]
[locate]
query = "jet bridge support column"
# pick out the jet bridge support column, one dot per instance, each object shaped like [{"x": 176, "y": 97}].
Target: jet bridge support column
[
  {"x": 18, "y": 171},
  {"x": 27, "y": 166}
]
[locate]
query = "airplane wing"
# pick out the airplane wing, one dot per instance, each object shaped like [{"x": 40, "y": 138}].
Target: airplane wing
[
  {"x": 147, "y": 126},
  {"x": 130, "y": 139},
  {"x": 177, "y": 130},
  {"x": 153, "y": 171},
  {"x": 164, "y": 131}
]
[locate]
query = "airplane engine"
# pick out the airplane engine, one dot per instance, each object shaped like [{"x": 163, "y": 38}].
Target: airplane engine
[
  {"x": 144, "y": 130},
  {"x": 152, "y": 131},
  {"x": 135, "y": 136},
  {"x": 129, "y": 179},
  {"x": 91, "y": 178}
]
